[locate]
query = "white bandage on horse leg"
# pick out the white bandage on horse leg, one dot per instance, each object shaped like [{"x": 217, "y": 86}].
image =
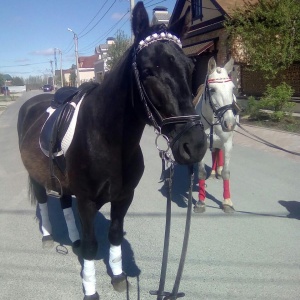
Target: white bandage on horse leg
[
  {"x": 71, "y": 224},
  {"x": 89, "y": 277},
  {"x": 115, "y": 259},
  {"x": 46, "y": 225}
]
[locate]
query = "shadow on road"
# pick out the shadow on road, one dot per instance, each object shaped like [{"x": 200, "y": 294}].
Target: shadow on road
[
  {"x": 293, "y": 207},
  {"x": 60, "y": 236}
]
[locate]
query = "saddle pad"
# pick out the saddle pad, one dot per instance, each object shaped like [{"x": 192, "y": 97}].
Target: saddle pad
[{"x": 67, "y": 123}]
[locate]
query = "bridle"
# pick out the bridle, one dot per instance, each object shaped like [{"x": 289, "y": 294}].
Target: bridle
[
  {"x": 155, "y": 117},
  {"x": 217, "y": 112},
  {"x": 158, "y": 122}
]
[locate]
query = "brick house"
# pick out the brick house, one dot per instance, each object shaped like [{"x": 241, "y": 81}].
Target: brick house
[{"x": 207, "y": 37}]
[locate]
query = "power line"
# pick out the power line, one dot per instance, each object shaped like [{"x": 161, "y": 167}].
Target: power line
[
  {"x": 25, "y": 65},
  {"x": 105, "y": 34},
  {"x": 93, "y": 17},
  {"x": 99, "y": 20}
]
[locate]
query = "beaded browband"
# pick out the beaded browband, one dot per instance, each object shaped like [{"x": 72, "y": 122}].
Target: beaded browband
[{"x": 164, "y": 36}]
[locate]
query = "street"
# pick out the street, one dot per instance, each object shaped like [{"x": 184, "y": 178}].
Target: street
[{"x": 251, "y": 254}]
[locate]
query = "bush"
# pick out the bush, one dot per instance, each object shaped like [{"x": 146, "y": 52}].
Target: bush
[{"x": 275, "y": 99}]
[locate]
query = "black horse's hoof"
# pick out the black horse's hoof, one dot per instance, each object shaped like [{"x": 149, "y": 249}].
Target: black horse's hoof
[
  {"x": 47, "y": 242},
  {"x": 199, "y": 207},
  {"x": 92, "y": 297},
  {"x": 119, "y": 282},
  {"x": 228, "y": 209}
]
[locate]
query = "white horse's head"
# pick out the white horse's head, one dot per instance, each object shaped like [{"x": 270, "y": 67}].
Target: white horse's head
[{"x": 220, "y": 92}]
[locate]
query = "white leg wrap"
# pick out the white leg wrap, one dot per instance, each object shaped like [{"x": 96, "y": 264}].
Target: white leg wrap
[
  {"x": 115, "y": 259},
  {"x": 46, "y": 225},
  {"x": 89, "y": 278},
  {"x": 72, "y": 228}
]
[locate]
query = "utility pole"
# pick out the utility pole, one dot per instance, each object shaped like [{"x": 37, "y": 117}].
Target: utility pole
[
  {"x": 51, "y": 63},
  {"x": 131, "y": 9},
  {"x": 61, "y": 74},
  {"x": 76, "y": 56}
]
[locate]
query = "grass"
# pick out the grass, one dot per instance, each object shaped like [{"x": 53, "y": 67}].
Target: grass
[{"x": 287, "y": 123}]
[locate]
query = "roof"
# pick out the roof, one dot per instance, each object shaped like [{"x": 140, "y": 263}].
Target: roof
[
  {"x": 87, "y": 61},
  {"x": 160, "y": 8},
  {"x": 197, "y": 49},
  {"x": 224, "y": 6},
  {"x": 228, "y": 5}
]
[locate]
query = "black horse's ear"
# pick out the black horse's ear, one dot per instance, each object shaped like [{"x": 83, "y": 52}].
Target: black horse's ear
[
  {"x": 181, "y": 26},
  {"x": 140, "y": 19}
]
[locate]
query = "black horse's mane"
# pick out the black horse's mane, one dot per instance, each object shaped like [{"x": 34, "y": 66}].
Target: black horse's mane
[{"x": 87, "y": 88}]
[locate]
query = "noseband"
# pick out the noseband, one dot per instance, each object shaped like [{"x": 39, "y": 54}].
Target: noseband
[{"x": 157, "y": 120}]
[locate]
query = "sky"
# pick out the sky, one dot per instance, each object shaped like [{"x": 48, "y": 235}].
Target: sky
[{"x": 30, "y": 30}]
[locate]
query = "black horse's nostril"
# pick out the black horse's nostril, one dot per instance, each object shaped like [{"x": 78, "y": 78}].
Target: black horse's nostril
[
  {"x": 225, "y": 124},
  {"x": 187, "y": 150}
]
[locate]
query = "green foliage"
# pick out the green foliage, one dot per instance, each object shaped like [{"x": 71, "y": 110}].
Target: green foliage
[
  {"x": 72, "y": 78},
  {"x": 116, "y": 50},
  {"x": 270, "y": 33},
  {"x": 1, "y": 80},
  {"x": 17, "y": 81},
  {"x": 275, "y": 99}
]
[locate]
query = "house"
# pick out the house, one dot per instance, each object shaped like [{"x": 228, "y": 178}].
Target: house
[
  {"x": 207, "y": 37},
  {"x": 101, "y": 63},
  {"x": 86, "y": 67},
  {"x": 160, "y": 15}
]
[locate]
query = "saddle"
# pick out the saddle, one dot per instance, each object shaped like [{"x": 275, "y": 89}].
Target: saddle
[{"x": 61, "y": 112}]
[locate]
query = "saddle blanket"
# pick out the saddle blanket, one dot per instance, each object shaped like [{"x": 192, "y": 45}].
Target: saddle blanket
[{"x": 58, "y": 131}]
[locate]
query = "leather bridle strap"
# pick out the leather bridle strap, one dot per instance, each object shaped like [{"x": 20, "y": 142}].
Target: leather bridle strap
[{"x": 151, "y": 109}]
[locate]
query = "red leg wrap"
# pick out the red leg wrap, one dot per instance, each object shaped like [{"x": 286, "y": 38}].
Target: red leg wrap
[
  {"x": 202, "y": 193},
  {"x": 214, "y": 160},
  {"x": 220, "y": 158},
  {"x": 226, "y": 192}
]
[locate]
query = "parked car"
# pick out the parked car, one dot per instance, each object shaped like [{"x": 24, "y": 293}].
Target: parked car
[
  {"x": 5, "y": 90},
  {"x": 47, "y": 88}
]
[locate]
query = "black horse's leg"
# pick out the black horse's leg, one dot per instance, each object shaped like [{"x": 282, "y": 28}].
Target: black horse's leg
[
  {"x": 66, "y": 205},
  {"x": 38, "y": 192},
  {"x": 115, "y": 237},
  {"x": 87, "y": 212}
]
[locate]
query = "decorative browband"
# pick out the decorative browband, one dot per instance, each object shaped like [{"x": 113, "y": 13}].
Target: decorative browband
[{"x": 164, "y": 36}]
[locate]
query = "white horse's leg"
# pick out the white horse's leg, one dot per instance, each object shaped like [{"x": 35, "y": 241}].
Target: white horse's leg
[
  {"x": 47, "y": 239},
  {"x": 200, "y": 205},
  {"x": 89, "y": 280},
  {"x": 214, "y": 163},
  {"x": 227, "y": 203},
  {"x": 220, "y": 162}
]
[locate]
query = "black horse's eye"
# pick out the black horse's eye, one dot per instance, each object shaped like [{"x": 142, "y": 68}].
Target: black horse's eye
[
  {"x": 212, "y": 90},
  {"x": 146, "y": 73}
]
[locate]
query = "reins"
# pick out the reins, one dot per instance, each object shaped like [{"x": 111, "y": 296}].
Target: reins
[
  {"x": 168, "y": 162},
  {"x": 158, "y": 122},
  {"x": 266, "y": 142}
]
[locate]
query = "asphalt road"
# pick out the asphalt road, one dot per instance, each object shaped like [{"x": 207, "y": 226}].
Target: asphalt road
[{"x": 252, "y": 254}]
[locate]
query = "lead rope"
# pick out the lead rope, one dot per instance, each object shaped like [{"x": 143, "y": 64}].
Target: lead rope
[{"x": 168, "y": 162}]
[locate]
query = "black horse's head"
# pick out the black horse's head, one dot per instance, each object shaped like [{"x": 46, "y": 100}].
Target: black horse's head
[{"x": 163, "y": 76}]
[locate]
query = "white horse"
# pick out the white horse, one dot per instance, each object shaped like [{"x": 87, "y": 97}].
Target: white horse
[{"x": 216, "y": 104}]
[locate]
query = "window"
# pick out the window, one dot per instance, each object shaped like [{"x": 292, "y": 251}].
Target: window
[{"x": 197, "y": 9}]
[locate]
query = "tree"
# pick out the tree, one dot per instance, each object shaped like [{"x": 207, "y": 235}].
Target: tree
[
  {"x": 17, "y": 81},
  {"x": 268, "y": 33},
  {"x": 116, "y": 50},
  {"x": 1, "y": 79},
  {"x": 72, "y": 78}
]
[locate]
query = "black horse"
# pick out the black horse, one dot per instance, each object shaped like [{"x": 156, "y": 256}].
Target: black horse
[{"x": 150, "y": 85}]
